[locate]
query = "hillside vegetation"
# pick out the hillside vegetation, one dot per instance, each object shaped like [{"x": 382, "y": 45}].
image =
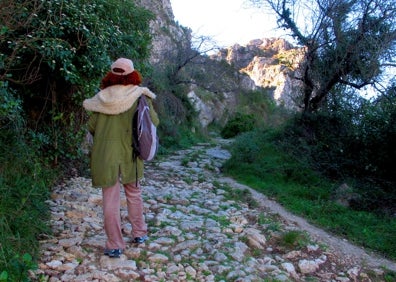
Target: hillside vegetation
[
  {"x": 261, "y": 161},
  {"x": 333, "y": 167}
]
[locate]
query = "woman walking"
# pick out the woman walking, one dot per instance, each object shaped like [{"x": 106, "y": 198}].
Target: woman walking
[{"x": 112, "y": 163}]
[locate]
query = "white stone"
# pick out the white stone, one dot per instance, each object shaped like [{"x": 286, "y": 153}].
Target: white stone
[
  {"x": 191, "y": 271},
  {"x": 291, "y": 270},
  {"x": 255, "y": 238},
  {"x": 308, "y": 266},
  {"x": 158, "y": 258},
  {"x": 54, "y": 263},
  {"x": 70, "y": 242}
]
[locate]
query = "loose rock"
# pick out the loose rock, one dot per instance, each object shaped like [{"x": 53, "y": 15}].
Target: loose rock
[{"x": 196, "y": 233}]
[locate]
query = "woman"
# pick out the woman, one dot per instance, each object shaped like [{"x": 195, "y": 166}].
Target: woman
[{"x": 112, "y": 164}]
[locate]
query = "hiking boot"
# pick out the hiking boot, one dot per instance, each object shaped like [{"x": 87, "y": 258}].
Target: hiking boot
[
  {"x": 140, "y": 240},
  {"x": 113, "y": 253}
]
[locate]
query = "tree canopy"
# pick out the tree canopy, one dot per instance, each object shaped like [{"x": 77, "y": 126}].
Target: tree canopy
[
  {"x": 53, "y": 53},
  {"x": 347, "y": 42}
]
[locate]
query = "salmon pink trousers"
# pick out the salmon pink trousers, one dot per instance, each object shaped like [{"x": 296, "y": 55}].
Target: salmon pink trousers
[{"x": 112, "y": 215}]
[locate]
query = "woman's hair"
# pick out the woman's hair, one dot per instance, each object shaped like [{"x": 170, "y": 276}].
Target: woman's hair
[{"x": 110, "y": 79}]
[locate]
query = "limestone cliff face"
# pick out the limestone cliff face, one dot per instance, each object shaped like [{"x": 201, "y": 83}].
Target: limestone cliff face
[
  {"x": 166, "y": 33},
  {"x": 268, "y": 63}
]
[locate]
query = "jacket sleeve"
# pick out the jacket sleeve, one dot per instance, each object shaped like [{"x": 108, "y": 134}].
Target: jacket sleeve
[{"x": 92, "y": 123}]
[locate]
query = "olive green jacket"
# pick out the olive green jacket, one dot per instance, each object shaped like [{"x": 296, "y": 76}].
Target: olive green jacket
[{"x": 111, "y": 155}]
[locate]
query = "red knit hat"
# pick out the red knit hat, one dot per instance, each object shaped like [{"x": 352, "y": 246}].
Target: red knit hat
[{"x": 122, "y": 66}]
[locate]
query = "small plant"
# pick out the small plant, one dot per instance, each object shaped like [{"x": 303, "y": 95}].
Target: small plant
[
  {"x": 20, "y": 268},
  {"x": 142, "y": 258},
  {"x": 390, "y": 276},
  {"x": 257, "y": 253},
  {"x": 270, "y": 222},
  {"x": 185, "y": 161},
  {"x": 222, "y": 220},
  {"x": 188, "y": 180},
  {"x": 201, "y": 178},
  {"x": 196, "y": 154},
  {"x": 244, "y": 239},
  {"x": 294, "y": 238},
  {"x": 173, "y": 209},
  {"x": 3, "y": 276},
  {"x": 243, "y": 195},
  {"x": 168, "y": 197},
  {"x": 195, "y": 194},
  {"x": 210, "y": 166},
  {"x": 263, "y": 219}
]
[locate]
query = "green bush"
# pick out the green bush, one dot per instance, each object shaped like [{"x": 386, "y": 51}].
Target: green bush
[
  {"x": 318, "y": 140},
  {"x": 255, "y": 109},
  {"x": 238, "y": 124},
  {"x": 52, "y": 56},
  {"x": 23, "y": 210},
  {"x": 261, "y": 160},
  {"x": 351, "y": 142}
]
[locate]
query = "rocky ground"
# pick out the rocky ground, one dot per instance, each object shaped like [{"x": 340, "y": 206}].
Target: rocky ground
[{"x": 203, "y": 227}]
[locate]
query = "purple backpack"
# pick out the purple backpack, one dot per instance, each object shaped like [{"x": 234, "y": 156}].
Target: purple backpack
[{"x": 144, "y": 132}]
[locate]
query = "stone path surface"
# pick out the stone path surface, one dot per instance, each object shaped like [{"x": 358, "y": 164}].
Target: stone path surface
[{"x": 202, "y": 227}]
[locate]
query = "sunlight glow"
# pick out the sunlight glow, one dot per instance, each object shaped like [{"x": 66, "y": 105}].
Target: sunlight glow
[{"x": 226, "y": 21}]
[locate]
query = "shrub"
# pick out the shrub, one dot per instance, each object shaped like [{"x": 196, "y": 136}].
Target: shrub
[
  {"x": 23, "y": 210},
  {"x": 238, "y": 124},
  {"x": 53, "y": 55},
  {"x": 350, "y": 141}
]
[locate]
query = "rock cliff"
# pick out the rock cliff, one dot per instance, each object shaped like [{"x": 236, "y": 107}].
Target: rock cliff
[
  {"x": 270, "y": 63},
  {"x": 166, "y": 32},
  {"x": 263, "y": 63}
]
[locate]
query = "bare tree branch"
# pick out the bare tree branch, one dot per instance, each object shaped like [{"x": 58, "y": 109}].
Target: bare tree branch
[{"x": 348, "y": 42}]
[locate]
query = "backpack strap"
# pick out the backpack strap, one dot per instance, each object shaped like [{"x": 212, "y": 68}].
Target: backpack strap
[{"x": 135, "y": 152}]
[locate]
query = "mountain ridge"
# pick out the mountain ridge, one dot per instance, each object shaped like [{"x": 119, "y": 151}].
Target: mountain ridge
[{"x": 268, "y": 63}]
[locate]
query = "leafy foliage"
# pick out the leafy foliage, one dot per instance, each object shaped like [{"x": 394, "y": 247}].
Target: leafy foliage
[
  {"x": 261, "y": 160},
  {"x": 347, "y": 43},
  {"x": 350, "y": 140},
  {"x": 10, "y": 107},
  {"x": 52, "y": 55},
  {"x": 255, "y": 109},
  {"x": 303, "y": 163},
  {"x": 238, "y": 124},
  {"x": 24, "y": 189}
]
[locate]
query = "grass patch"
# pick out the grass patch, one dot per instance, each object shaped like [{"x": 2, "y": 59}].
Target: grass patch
[
  {"x": 294, "y": 239},
  {"x": 257, "y": 162},
  {"x": 243, "y": 195},
  {"x": 222, "y": 220},
  {"x": 24, "y": 215}
]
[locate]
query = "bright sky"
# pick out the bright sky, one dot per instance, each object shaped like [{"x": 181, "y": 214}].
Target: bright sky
[{"x": 225, "y": 21}]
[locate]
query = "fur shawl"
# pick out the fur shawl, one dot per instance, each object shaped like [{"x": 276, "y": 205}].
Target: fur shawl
[{"x": 116, "y": 99}]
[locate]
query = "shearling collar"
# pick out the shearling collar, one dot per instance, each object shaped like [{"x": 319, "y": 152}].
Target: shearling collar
[{"x": 116, "y": 99}]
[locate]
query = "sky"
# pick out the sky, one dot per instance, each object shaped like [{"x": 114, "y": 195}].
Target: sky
[{"x": 226, "y": 21}]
